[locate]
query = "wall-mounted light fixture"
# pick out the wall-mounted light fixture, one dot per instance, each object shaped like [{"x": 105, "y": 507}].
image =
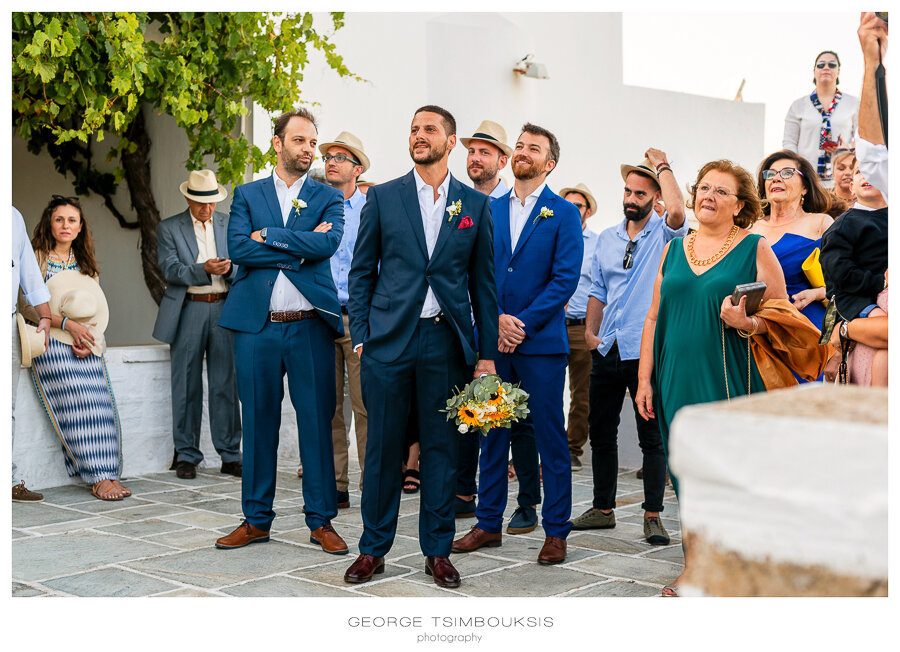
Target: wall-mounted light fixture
[{"x": 528, "y": 67}]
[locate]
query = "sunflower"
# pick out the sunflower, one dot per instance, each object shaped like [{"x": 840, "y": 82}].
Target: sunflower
[
  {"x": 468, "y": 416},
  {"x": 496, "y": 397}
]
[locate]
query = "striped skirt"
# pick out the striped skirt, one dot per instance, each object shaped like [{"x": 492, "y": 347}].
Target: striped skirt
[{"x": 79, "y": 401}]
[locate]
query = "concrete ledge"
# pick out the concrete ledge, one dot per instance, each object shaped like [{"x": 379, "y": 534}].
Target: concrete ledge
[
  {"x": 785, "y": 493},
  {"x": 141, "y": 383}
]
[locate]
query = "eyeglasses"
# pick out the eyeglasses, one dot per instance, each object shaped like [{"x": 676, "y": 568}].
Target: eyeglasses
[
  {"x": 340, "y": 158},
  {"x": 830, "y": 64},
  {"x": 628, "y": 261},
  {"x": 721, "y": 193},
  {"x": 578, "y": 205},
  {"x": 784, "y": 173}
]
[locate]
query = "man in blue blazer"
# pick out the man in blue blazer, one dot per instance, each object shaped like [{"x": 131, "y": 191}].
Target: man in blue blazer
[
  {"x": 284, "y": 310},
  {"x": 424, "y": 248},
  {"x": 538, "y": 261}
]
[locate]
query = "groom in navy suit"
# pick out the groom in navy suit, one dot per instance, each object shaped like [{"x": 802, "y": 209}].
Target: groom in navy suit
[
  {"x": 538, "y": 261},
  {"x": 284, "y": 310},
  {"x": 424, "y": 249}
]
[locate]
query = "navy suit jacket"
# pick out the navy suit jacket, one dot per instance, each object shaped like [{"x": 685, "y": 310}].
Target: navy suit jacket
[
  {"x": 391, "y": 271},
  {"x": 177, "y": 257},
  {"x": 536, "y": 281},
  {"x": 294, "y": 249}
]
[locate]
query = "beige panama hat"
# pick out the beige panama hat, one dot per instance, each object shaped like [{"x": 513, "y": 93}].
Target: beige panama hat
[
  {"x": 490, "y": 132},
  {"x": 645, "y": 168},
  {"x": 350, "y": 142},
  {"x": 202, "y": 186},
  {"x": 80, "y": 298},
  {"x": 581, "y": 189},
  {"x": 32, "y": 342}
]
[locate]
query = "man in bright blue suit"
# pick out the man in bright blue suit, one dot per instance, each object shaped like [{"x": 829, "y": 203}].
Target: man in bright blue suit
[
  {"x": 284, "y": 310},
  {"x": 424, "y": 249},
  {"x": 538, "y": 256}
]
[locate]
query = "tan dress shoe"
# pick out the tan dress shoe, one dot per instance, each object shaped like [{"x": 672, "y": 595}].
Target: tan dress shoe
[
  {"x": 477, "y": 538},
  {"x": 331, "y": 541},
  {"x": 244, "y": 535},
  {"x": 553, "y": 551},
  {"x": 442, "y": 571},
  {"x": 364, "y": 568}
]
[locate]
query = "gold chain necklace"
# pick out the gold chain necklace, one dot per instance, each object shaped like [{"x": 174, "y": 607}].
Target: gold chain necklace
[{"x": 721, "y": 252}]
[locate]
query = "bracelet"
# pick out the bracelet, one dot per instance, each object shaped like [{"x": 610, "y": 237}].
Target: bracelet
[
  {"x": 43, "y": 318},
  {"x": 755, "y": 330},
  {"x": 659, "y": 171},
  {"x": 63, "y": 325},
  {"x": 663, "y": 164}
]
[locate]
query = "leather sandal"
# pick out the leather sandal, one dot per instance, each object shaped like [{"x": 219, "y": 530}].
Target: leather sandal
[
  {"x": 125, "y": 490},
  {"x": 411, "y": 481},
  {"x": 105, "y": 490}
]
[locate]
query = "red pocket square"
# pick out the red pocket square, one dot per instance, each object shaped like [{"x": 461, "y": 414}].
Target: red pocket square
[{"x": 465, "y": 223}]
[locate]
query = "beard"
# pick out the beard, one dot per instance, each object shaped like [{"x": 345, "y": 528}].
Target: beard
[
  {"x": 481, "y": 174},
  {"x": 433, "y": 154},
  {"x": 637, "y": 212},
  {"x": 297, "y": 164},
  {"x": 529, "y": 172}
]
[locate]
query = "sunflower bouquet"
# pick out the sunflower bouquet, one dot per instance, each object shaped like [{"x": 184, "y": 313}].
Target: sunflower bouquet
[{"x": 486, "y": 403}]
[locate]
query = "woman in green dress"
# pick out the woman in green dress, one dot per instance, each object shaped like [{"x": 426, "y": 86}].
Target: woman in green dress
[{"x": 686, "y": 331}]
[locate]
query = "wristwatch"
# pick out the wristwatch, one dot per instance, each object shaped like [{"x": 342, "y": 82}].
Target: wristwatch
[
  {"x": 844, "y": 327},
  {"x": 262, "y": 233}
]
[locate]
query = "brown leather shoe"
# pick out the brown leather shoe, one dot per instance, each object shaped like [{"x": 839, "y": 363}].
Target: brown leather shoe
[
  {"x": 244, "y": 535},
  {"x": 442, "y": 571},
  {"x": 553, "y": 551},
  {"x": 477, "y": 538},
  {"x": 186, "y": 470},
  {"x": 331, "y": 541},
  {"x": 364, "y": 568}
]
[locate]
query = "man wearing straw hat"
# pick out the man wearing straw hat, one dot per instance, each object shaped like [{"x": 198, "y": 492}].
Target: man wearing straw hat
[
  {"x": 27, "y": 275},
  {"x": 345, "y": 160},
  {"x": 193, "y": 256},
  {"x": 579, "y": 353},
  {"x": 624, "y": 268}
]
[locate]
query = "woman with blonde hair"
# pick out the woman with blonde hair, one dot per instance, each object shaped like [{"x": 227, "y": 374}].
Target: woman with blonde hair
[{"x": 71, "y": 377}]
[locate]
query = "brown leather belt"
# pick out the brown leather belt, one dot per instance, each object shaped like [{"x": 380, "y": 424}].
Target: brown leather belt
[
  {"x": 206, "y": 298},
  {"x": 298, "y": 315}
]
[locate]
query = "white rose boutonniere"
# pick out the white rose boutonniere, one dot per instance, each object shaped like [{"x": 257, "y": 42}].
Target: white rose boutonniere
[
  {"x": 298, "y": 204},
  {"x": 545, "y": 213},
  {"x": 454, "y": 209}
]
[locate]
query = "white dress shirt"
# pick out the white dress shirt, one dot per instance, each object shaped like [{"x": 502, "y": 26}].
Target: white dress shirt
[
  {"x": 206, "y": 249},
  {"x": 25, "y": 269},
  {"x": 285, "y": 295},
  {"x": 873, "y": 164},
  {"x": 518, "y": 212},
  {"x": 432, "y": 214}
]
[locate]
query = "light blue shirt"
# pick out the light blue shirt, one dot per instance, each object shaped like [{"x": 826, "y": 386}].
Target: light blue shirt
[
  {"x": 25, "y": 270},
  {"x": 499, "y": 190},
  {"x": 578, "y": 303},
  {"x": 340, "y": 261},
  {"x": 628, "y": 293}
]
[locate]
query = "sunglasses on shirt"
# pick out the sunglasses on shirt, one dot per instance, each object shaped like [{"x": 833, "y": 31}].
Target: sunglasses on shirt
[{"x": 628, "y": 261}]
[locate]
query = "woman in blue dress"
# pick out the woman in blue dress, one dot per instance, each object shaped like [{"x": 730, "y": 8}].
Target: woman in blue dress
[{"x": 71, "y": 377}]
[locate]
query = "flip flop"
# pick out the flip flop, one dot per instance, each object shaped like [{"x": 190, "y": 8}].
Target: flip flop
[
  {"x": 103, "y": 488},
  {"x": 670, "y": 591},
  {"x": 411, "y": 481}
]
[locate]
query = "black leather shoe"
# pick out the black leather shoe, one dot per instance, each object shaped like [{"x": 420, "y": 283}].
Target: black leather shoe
[
  {"x": 186, "y": 470},
  {"x": 343, "y": 499},
  {"x": 232, "y": 468},
  {"x": 442, "y": 571}
]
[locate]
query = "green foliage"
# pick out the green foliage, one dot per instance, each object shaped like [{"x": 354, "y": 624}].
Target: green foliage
[
  {"x": 79, "y": 76},
  {"x": 486, "y": 403}
]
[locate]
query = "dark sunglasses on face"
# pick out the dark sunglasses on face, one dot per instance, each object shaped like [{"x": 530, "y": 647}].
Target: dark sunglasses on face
[
  {"x": 578, "y": 205},
  {"x": 830, "y": 64},
  {"x": 784, "y": 173},
  {"x": 628, "y": 261},
  {"x": 340, "y": 158}
]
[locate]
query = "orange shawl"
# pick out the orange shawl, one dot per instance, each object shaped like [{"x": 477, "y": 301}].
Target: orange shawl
[{"x": 792, "y": 344}]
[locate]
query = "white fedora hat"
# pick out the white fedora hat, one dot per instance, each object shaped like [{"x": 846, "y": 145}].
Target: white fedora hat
[
  {"x": 349, "y": 142},
  {"x": 490, "y": 132},
  {"x": 581, "y": 189},
  {"x": 80, "y": 298},
  {"x": 202, "y": 186},
  {"x": 645, "y": 168},
  {"x": 33, "y": 343}
]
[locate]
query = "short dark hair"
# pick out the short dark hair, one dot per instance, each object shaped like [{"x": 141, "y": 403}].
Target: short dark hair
[
  {"x": 448, "y": 119},
  {"x": 281, "y": 122},
  {"x": 529, "y": 128},
  {"x": 647, "y": 176},
  {"x": 816, "y": 199}
]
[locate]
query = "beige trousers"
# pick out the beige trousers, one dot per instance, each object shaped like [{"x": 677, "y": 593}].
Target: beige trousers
[{"x": 345, "y": 355}]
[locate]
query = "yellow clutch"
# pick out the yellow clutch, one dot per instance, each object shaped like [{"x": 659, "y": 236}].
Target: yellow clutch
[{"x": 813, "y": 269}]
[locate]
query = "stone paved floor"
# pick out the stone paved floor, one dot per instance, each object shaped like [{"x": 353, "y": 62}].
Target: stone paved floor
[{"x": 159, "y": 542}]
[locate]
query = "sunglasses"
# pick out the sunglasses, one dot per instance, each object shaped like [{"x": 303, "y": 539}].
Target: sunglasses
[
  {"x": 340, "y": 158},
  {"x": 830, "y": 64},
  {"x": 71, "y": 200},
  {"x": 628, "y": 261},
  {"x": 578, "y": 205},
  {"x": 784, "y": 173}
]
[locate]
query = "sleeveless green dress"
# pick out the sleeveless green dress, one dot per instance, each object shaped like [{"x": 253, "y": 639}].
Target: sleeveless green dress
[{"x": 687, "y": 347}]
